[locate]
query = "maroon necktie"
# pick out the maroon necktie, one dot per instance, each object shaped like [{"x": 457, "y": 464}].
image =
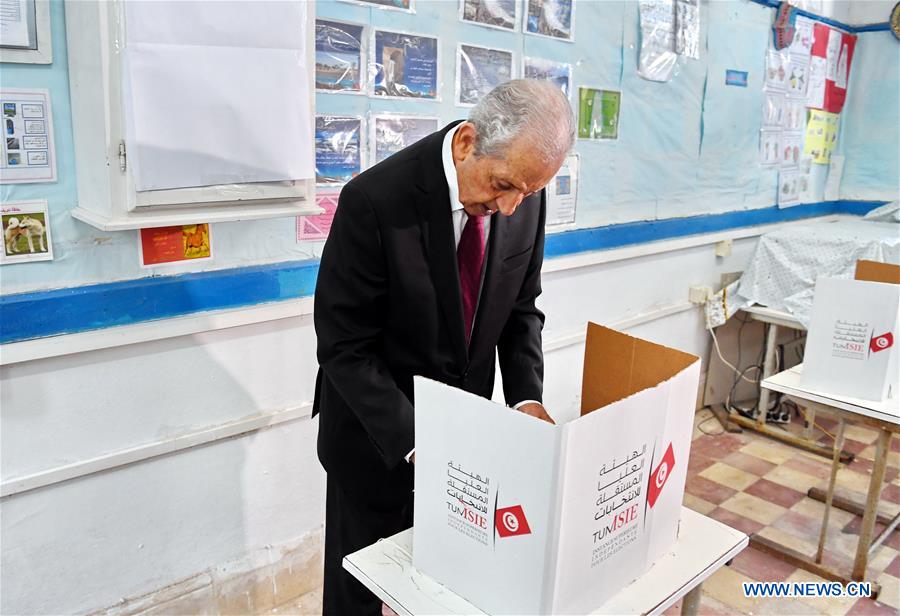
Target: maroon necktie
[{"x": 470, "y": 258}]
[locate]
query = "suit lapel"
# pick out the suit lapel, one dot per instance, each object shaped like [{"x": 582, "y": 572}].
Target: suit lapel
[{"x": 433, "y": 206}]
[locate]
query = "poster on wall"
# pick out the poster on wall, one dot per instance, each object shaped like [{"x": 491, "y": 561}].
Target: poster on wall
[
  {"x": 777, "y": 70},
  {"x": 479, "y": 70},
  {"x": 317, "y": 227},
  {"x": 339, "y": 57},
  {"x": 821, "y": 136},
  {"x": 794, "y": 114},
  {"x": 788, "y": 188},
  {"x": 338, "y": 148},
  {"x": 170, "y": 245},
  {"x": 687, "y": 28},
  {"x": 769, "y": 146},
  {"x": 598, "y": 113},
  {"x": 657, "y": 57},
  {"x": 559, "y": 73},
  {"x": 503, "y": 14},
  {"x": 774, "y": 109},
  {"x": 26, "y": 232},
  {"x": 562, "y": 194},
  {"x": 28, "y": 153},
  {"x": 791, "y": 149},
  {"x": 833, "y": 50},
  {"x": 404, "y": 65},
  {"x": 392, "y": 132},
  {"x": 553, "y": 18},
  {"x": 407, "y": 6},
  {"x": 803, "y": 37},
  {"x": 798, "y": 77}
]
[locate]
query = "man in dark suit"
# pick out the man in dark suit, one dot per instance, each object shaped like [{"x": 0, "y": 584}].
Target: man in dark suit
[{"x": 420, "y": 277}]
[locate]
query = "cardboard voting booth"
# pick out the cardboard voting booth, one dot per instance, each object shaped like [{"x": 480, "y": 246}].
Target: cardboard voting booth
[
  {"x": 517, "y": 515},
  {"x": 851, "y": 347}
]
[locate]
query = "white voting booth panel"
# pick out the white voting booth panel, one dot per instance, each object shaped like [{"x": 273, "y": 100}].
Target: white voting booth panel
[
  {"x": 851, "y": 347},
  {"x": 517, "y": 515}
]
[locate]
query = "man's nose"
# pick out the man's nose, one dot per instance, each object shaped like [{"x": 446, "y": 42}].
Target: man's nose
[{"x": 507, "y": 203}]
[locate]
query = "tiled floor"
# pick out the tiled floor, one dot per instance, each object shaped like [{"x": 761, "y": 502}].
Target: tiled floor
[{"x": 759, "y": 485}]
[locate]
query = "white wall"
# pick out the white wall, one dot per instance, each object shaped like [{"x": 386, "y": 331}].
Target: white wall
[{"x": 85, "y": 543}]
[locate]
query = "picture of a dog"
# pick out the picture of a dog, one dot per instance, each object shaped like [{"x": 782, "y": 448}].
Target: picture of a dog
[
  {"x": 32, "y": 228},
  {"x": 11, "y": 235}
]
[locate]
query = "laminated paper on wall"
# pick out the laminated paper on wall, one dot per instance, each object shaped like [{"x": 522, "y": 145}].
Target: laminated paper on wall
[{"x": 521, "y": 516}]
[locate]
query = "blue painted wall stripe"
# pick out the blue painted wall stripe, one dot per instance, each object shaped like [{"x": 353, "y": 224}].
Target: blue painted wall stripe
[
  {"x": 25, "y": 316},
  {"x": 827, "y": 20}
]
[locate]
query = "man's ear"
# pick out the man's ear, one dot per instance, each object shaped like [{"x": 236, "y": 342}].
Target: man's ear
[{"x": 464, "y": 140}]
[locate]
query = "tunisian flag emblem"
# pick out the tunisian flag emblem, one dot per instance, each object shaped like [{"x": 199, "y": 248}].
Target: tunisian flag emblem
[
  {"x": 882, "y": 342},
  {"x": 661, "y": 475},
  {"x": 510, "y": 521}
]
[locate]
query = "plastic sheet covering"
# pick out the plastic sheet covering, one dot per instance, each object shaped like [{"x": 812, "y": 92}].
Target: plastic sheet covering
[
  {"x": 889, "y": 212},
  {"x": 339, "y": 58},
  {"x": 784, "y": 267},
  {"x": 657, "y": 60},
  {"x": 338, "y": 148}
]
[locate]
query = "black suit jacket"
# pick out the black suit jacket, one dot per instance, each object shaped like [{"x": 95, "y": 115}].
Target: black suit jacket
[{"x": 388, "y": 306}]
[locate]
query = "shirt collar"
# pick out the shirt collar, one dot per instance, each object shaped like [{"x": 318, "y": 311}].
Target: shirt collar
[{"x": 450, "y": 169}]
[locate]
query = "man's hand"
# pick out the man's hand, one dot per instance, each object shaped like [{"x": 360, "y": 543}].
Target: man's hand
[{"x": 536, "y": 410}]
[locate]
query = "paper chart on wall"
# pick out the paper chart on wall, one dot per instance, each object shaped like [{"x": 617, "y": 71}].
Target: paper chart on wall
[
  {"x": 791, "y": 148},
  {"x": 831, "y": 54},
  {"x": 769, "y": 146},
  {"x": 28, "y": 152},
  {"x": 774, "y": 109},
  {"x": 562, "y": 193},
  {"x": 788, "y": 188},
  {"x": 777, "y": 70},
  {"x": 798, "y": 77},
  {"x": 803, "y": 36},
  {"x": 821, "y": 136},
  {"x": 687, "y": 28},
  {"x": 657, "y": 57},
  {"x": 804, "y": 180},
  {"x": 815, "y": 95}
]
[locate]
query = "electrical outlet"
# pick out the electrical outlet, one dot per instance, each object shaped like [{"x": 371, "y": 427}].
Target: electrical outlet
[
  {"x": 723, "y": 248},
  {"x": 699, "y": 294}
]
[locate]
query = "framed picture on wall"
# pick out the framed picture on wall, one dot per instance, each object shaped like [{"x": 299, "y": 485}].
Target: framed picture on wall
[
  {"x": 393, "y": 132},
  {"x": 340, "y": 58},
  {"x": 404, "y": 65},
  {"x": 503, "y": 14},
  {"x": 478, "y": 70},
  {"x": 26, "y": 232},
  {"x": 598, "y": 113},
  {"x": 394, "y": 5},
  {"x": 559, "y": 73},
  {"x": 338, "y": 148},
  {"x": 552, "y": 18}
]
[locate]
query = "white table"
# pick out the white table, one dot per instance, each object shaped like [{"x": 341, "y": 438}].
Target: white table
[
  {"x": 703, "y": 546},
  {"x": 884, "y": 416}
]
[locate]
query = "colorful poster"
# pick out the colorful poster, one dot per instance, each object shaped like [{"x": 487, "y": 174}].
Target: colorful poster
[
  {"x": 794, "y": 115},
  {"x": 405, "y": 65},
  {"x": 27, "y": 153},
  {"x": 166, "y": 245},
  {"x": 769, "y": 147},
  {"x": 598, "y": 113},
  {"x": 317, "y": 227},
  {"x": 559, "y": 73},
  {"x": 26, "y": 232},
  {"x": 777, "y": 70},
  {"x": 821, "y": 136},
  {"x": 338, "y": 56},
  {"x": 338, "y": 148},
  {"x": 791, "y": 148},
  {"x": 479, "y": 70},
  {"x": 803, "y": 36},
  {"x": 502, "y": 14},
  {"x": 551, "y": 18},
  {"x": 798, "y": 77},
  {"x": 391, "y": 133},
  {"x": 832, "y": 51},
  {"x": 735, "y": 78}
]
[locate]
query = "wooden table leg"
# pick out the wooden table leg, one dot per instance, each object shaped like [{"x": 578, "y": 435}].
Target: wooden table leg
[
  {"x": 691, "y": 602},
  {"x": 768, "y": 370},
  {"x": 829, "y": 497},
  {"x": 867, "y": 529}
]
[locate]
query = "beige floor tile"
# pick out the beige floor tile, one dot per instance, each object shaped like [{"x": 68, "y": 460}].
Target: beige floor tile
[
  {"x": 727, "y": 475},
  {"x": 868, "y": 453},
  {"x": 860, "y": 433},
  {"x": 851, "y": 480},
  {"x": 697, "y": 504},
  {"x": 826, "y": 605},
  {"x": 725, "y": 586},
  {"x": 815, "y": 509},
  {"x": 789, "y": 540},
  {"x": 881, "y": 559},
  {"x": 769, "y": 451},
  {"x": 890, "y": 590},
  {"x": 753, "y": 508},
  {"x": 793, "y": 478}
]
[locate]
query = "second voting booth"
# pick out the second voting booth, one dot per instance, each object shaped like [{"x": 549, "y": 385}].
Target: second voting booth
[{"x": 521, "y": 516}]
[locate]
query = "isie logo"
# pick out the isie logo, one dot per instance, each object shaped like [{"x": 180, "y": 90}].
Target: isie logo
[
  {"x": 660, "y": 475},
  {"x": 882, "y": 342},
  {"x": 510, "y": 521}
]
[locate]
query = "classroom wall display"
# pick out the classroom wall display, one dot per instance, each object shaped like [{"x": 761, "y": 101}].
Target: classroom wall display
[
  {"x": 552, "y": 18},
  {"x": 338, "y": 148},
  {"x": 559, "y": 73},
  {"x": 687, "y": 28},
  {"x": 340, "y": 59},
  {"x": 562, "y": 194},
  {"x": 598, "y": 113},
  {"x": 407, "y": 6},
  {"x": 479, "y": 70},
  {"x": 791, "y": 149},
  {"x": 503, "y": 14},
  {"x": 657, "y": 57},
  {"x": 26, "y": 232},
  {"x": 393, "y": 132},
  {"x": 769, "y": 146},
  {"x": 171, "y": 245},
  {"x": 317, "y": 227},
  {"x": 788, "y": 188},
  {"x": 835, "y": 50},
  {"x": 28, "y": 152},
  {"x": 821, "y": 136},
  {"x": 404, "y": 65}
]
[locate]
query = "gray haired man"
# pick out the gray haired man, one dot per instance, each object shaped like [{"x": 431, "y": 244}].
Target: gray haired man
[{"x": 420, "y": 277}]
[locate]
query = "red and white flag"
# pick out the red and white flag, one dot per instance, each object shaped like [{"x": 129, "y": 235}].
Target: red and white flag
[
  {"x": 882, "y": 342},
  {"x": 661, "y": 475},
  {"x": 511, "y": 521}
]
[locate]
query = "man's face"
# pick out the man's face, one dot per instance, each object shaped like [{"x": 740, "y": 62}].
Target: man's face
[{"x": 487, "y": 184}]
